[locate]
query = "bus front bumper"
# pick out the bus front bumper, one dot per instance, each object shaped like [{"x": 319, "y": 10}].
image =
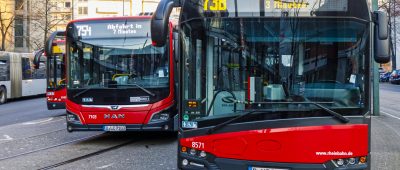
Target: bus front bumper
[
  {"x": 55, "y": 105},
  {"x": 160, "y": 126},
  {"x": 195, "y": 163}
]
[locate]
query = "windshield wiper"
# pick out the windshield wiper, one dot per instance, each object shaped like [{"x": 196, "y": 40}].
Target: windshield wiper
[
  {"x": 140, "y": 87},
  {"x": 330, "y": 111},
  {"x": 318, "y": 104},
  {"x": 221, "y": 125},
  {"x": 82, "y": 92}
]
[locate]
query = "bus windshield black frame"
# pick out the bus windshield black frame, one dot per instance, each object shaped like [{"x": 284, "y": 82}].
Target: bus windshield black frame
[
  {"x": 289, "y": 60},
  {"x": 115, "y": 56},
  {"x": 118, "y": 63}
]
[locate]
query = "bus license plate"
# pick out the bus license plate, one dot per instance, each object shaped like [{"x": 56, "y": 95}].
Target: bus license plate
[
  {"x": 264, "y": 168},
  {"x": 114, "y": 128}
]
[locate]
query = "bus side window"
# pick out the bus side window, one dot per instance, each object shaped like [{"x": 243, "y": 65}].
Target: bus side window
[
  {"x": 4, "y": 70},
  {"x": 26, "y": 69},
  {"x": 40, "y": 73}
]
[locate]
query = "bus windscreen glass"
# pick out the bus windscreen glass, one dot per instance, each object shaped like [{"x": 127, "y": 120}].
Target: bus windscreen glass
[
  {"x": 56, "y": 71},
  {"x": 116, "y": 54},
  {"x": 259, "y": 61}
]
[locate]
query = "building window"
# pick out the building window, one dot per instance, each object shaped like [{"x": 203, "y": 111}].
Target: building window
[
  {"x": 19, "y": 42},
  {"x": 19, "y": 31},
  {"x": 83, "y": 10},
  {"x": 19, "y": 4},
  {"x": 67, "y": 5}
]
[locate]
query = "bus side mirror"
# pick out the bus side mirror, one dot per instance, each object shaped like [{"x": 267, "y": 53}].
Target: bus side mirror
[
  {"x": 36, "y": 60},
  {"x": 48, "y": 48},
  {"x": 159, "y": 22},
  {"x": 381, "y": 38}
]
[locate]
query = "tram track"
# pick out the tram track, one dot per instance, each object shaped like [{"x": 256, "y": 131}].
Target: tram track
[
  {"x": 89, "y": 155},
  {"x": 40, "y": 134},
  {"x": 34, "y": 136},
  {"x": 50, "y": 147}
]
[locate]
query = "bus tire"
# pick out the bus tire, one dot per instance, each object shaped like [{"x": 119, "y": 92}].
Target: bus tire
[{"x": 3, "y": 95}]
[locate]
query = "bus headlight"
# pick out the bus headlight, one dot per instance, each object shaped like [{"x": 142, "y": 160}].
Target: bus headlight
[
  {"x": 199, "y": 154},
  {"x": 161, "y": 116},
  {"x": 73, "y": 118},
  {"x": 203, "y": 154},
  {"x": 193, "y": 151},
  {"x": 185, "y": 162},
  {"x": 350, "y": 161},
  {"x": 340, "y": 162}
]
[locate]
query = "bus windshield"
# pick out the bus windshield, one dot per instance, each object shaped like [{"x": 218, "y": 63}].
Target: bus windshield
[
  {"x": 56, "y": 71},
  {"x": 277, "y": 65},
  {"x": 117, "y": 63}
]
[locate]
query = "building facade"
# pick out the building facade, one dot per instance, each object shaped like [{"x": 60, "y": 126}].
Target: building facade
[
  {"x": 112, "y": 8},
  {"x": 36, "y": 19},
  {"x": 6, "y": 14},
  {"x": 33, "y": 20}
]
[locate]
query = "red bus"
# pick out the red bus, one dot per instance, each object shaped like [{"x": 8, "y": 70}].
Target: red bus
[
  {"x": 275, "y": 85},
  {"x": 116, "y": 79},
  {"x": 55, "y": 70}
]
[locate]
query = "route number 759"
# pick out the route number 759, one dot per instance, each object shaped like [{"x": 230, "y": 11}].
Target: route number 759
[
  {"x": 198, "y": 145},
  {"x": 215, "y": 5}
]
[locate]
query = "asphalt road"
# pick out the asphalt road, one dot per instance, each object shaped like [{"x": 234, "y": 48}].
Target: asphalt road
[
  {"x": 25, "y": 110},
  {"x": 385, "y": 147},
  {"x": 31, "y": 137}
]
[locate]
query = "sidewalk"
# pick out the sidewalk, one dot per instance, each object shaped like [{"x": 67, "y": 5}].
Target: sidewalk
[{"x": 385, "y": 147}]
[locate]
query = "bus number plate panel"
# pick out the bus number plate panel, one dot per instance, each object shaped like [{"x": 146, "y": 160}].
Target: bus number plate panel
[{"x": 114, "y": 128}]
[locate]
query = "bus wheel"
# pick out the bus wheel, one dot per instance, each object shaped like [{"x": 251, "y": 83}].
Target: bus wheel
[{"x": 3, "y": 95}]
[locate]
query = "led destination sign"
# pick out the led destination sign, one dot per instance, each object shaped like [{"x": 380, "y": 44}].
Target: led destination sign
[
  {"x": 111, "y": 29},
  {"x": 273, "y": 7}
]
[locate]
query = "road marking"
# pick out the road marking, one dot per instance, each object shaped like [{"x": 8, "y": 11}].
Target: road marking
[
  {"x": 105, "y": 166},
  {"x": 388, "y": 126},
  {"x": 393, "y": 116},
  {"x": 6, "y": 138},
  {"x": 38, "y": 122}
]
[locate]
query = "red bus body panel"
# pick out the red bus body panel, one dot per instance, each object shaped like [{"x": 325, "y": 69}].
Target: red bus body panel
[
  {"x": 132, "y": 115},
  {"x": 136, "y": 115},
  {"x": 310, "y": 144},
  {"x": 60, "y": 96}
]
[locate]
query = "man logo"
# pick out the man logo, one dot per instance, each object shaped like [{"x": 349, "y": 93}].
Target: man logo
[
  {"x": 114, "y": 107},
  {"x": 114, "y": 116}
]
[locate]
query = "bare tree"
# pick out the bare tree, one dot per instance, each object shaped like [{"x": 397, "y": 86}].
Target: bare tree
[
  {"x": 6, "y": 23},
  {"x": 45, "y": 17}
]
